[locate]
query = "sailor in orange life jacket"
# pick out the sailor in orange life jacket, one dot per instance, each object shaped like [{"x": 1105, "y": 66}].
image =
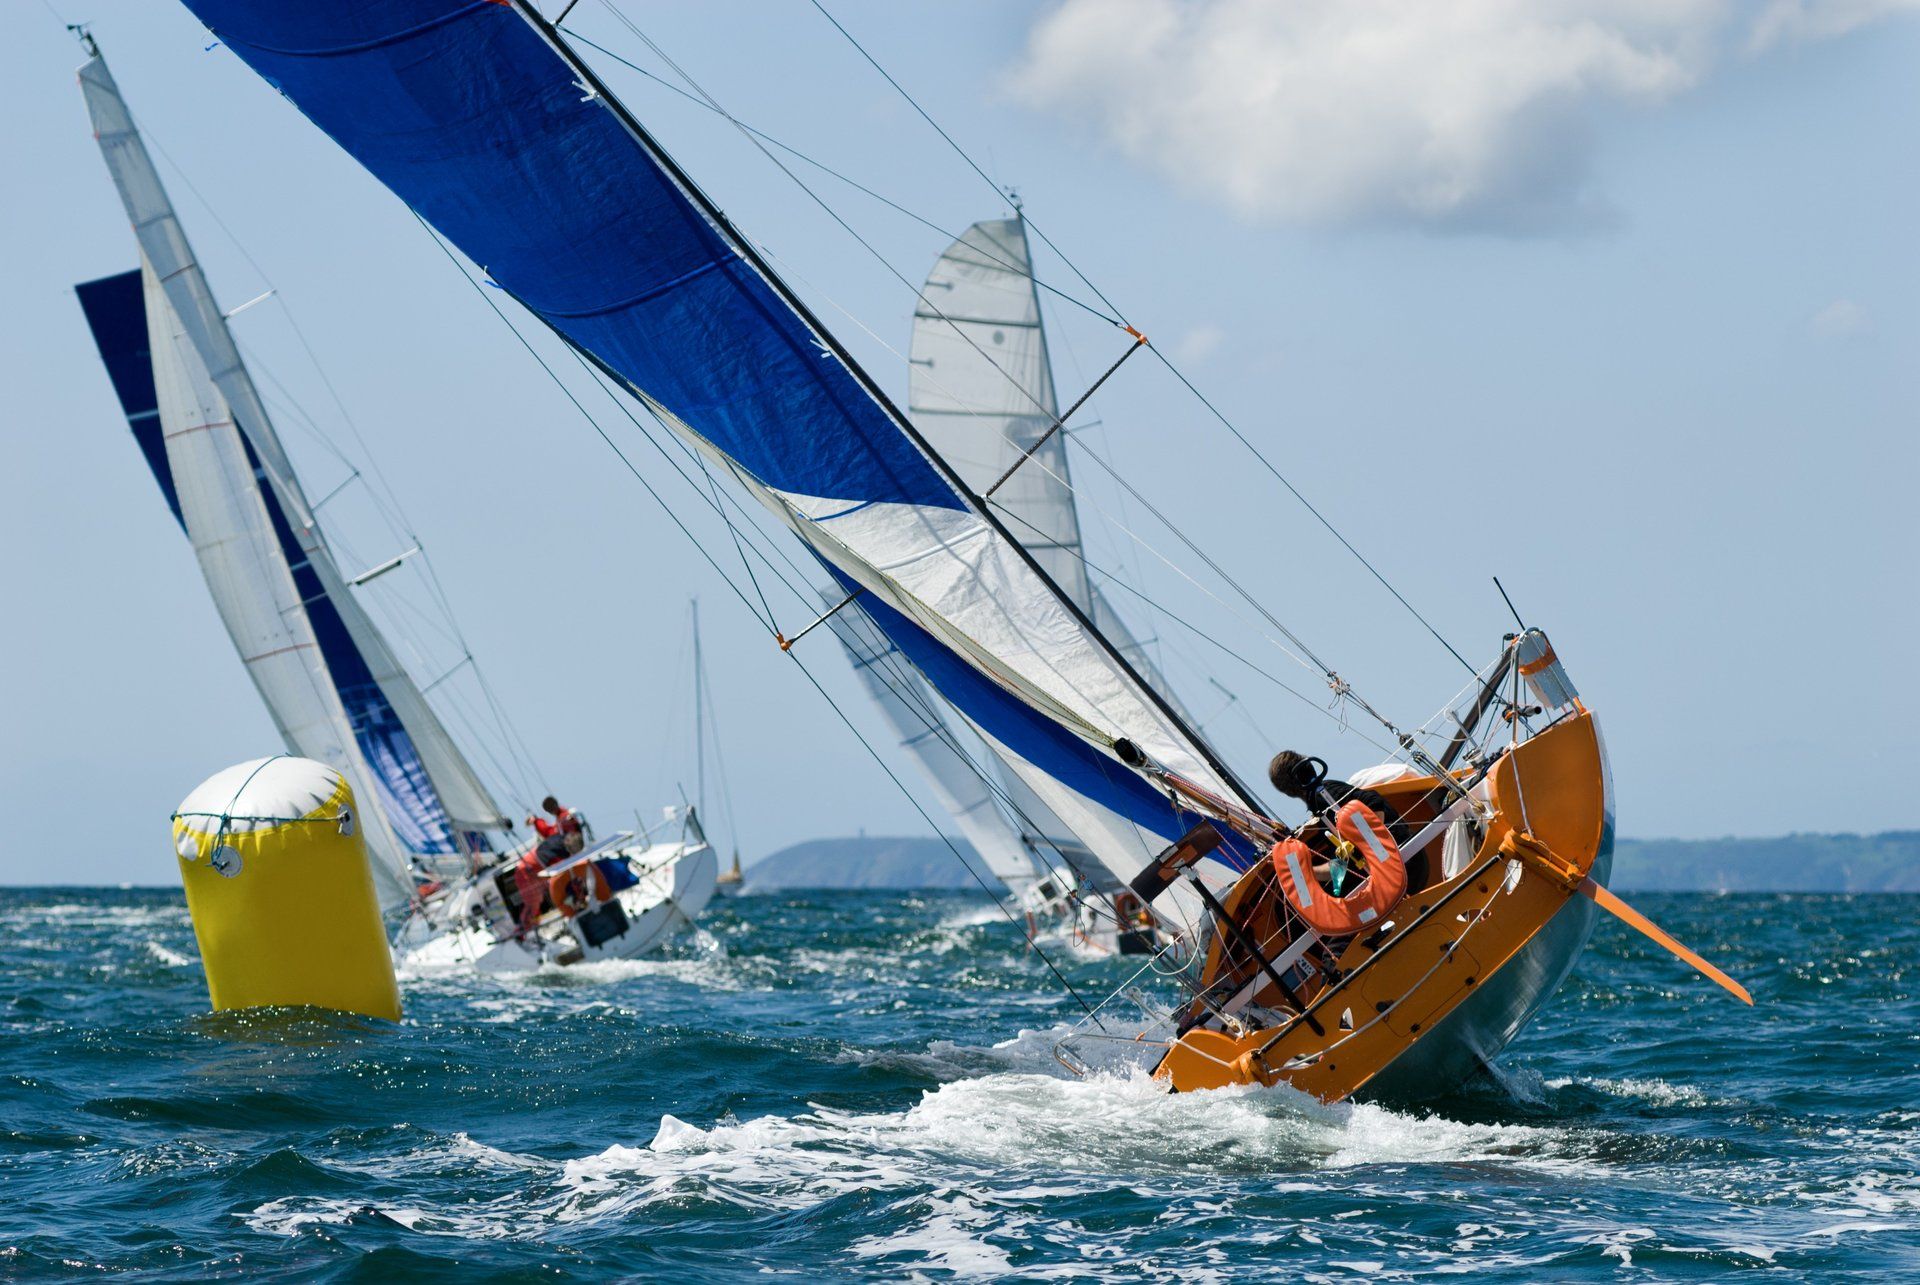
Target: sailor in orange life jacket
[
  {"x": 1343, "y": 871},
  {"x": 528, "y": 876},
  {"x": 564, "y": 821}
]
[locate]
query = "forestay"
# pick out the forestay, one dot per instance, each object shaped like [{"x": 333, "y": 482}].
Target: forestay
[
  {"x": 476, "y": 116},
  {"x": 421, "y": 780}
]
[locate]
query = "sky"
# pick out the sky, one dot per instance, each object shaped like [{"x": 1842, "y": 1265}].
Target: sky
[{"x": 1617, "y": 302}]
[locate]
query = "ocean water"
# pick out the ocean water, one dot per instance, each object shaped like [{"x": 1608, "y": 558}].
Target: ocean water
[{"x": 861, "y": 1085}]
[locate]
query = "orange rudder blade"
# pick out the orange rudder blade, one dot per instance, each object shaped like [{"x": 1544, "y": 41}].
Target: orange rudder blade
[{"x": 1621, "y": 910}]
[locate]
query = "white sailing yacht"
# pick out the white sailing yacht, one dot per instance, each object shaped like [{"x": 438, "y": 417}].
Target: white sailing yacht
[{"x": 442, "y": 853}]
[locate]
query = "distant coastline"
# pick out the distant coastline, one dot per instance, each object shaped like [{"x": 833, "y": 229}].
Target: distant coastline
[{"x": 1888, "y": 862}]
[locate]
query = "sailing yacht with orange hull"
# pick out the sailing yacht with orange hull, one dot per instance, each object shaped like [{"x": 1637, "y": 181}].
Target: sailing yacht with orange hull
[{"x": 1396, "y": 940}]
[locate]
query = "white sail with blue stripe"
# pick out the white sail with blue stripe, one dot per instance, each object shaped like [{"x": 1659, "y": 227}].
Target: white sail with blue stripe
[{"x": 480, "y": 118}]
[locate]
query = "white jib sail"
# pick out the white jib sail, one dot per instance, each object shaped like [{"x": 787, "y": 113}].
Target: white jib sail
[
  {"x": 164, "y": 245},
  {"x": 981, "y": 391},
  {"x": 248, "y": 578}
]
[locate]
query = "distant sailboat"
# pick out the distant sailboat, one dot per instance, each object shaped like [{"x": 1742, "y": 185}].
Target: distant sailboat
[
  {"x": 981, "y": 392},
  {"x": 331, "y": 682},
  {"x": 1337, "y": 956},
  {"x": 732, "y": 880}
]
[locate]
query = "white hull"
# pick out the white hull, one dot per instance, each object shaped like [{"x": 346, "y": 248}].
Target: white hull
[{"x": 676, "y": 881}]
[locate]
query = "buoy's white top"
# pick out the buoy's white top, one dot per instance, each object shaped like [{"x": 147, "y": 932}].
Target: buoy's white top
[{"x": 259, "y": 794}]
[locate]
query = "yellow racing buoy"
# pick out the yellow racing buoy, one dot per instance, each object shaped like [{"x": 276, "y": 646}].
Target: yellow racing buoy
[{"x": 281, "y": 890}]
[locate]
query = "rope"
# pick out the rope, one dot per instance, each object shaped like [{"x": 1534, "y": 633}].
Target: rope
[
  {"x": 1174, "y": 370},
  {"x": 831, "y": 172},
  {"x": 744, "y": 601}
]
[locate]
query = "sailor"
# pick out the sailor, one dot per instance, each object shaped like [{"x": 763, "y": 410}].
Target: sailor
[
  {"x": 1301, "y": 777},
  {"x": 564, "y": 821},
  {"x": 528, "y": 876}
]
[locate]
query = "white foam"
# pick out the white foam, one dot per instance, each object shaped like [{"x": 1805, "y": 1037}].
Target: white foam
[
  {"x": 1648, "y": 1089},
  {"x": 171, "y": 958}
]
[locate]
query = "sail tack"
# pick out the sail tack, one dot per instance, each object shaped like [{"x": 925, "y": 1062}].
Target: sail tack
[
  {"x": 426, "y": 789},
  {"x": 476, "y": 116}
]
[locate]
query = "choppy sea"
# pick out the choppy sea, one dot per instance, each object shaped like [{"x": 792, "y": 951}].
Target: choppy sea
[{"x": 861, "y": 1085}]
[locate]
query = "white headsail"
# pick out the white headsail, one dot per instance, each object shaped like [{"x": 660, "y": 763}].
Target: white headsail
[
  {"x": 234, "y": 482},
  {"x": 231, "y": 529},
  {"x": 981, "y": 392}
]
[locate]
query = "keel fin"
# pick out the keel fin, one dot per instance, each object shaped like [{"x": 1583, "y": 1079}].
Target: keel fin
[{"x": 1621, "y": 910}]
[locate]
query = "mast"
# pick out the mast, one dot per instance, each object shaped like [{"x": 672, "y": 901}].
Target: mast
[
  {"x": 699, "y": 718},
  {"x": 740, "y": 245}
]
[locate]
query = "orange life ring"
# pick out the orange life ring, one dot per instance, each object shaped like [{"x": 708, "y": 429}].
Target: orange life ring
[
  {"x": 1379, "y": 892},
  {"x": 568, "y": 889}
]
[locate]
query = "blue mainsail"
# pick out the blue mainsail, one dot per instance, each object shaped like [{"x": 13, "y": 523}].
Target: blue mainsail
[
  {"x": 472, "y": 112},
  {"x": 116, "y": 313}
]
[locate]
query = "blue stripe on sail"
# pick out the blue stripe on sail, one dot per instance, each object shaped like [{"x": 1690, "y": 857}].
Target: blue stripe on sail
[
  {"x": 1036, "y": 738},
  {"x": 116, "y": 309},
  {"x": 407, "y": 797},
  {"x": 469, "y": 117}
]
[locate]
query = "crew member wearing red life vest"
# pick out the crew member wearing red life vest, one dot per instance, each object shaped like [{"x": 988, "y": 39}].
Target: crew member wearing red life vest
[
  {"x": 529, "y": 875},
  {"x": 564, "y": 821}
]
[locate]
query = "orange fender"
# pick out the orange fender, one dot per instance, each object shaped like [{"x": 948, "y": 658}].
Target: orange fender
[
  {"x": 569, "y": 888},
  {"x": 1379, "y": 892}
]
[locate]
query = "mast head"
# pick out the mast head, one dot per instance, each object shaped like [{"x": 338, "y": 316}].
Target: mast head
[{"x": 85, "y": 37}]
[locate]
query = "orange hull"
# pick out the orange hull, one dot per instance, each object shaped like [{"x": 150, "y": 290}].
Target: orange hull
[{"x": 1461, "y": 963}]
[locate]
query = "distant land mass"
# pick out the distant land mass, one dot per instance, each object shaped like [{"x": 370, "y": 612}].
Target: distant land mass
[
  {"x": 1887, "y": 862},
  {"x": 914, "y": 861}
]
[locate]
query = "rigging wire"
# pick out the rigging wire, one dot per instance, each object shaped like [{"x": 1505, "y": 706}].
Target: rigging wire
[
  {"x": 1157, "y": 703},
  {"x": 961, "y": 152},
  {"x": 385, "y": 500},
  {"x": 830, "y": 171},
  {"x": 1166, "y": 361},
  {"x": 741, "y": 595},
  {"x": 935, "y": 310}
]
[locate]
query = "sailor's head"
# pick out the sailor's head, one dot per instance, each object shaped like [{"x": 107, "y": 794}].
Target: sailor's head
[
  {"x": 550, "y": 804},
  {"x": 575, "y": 841},
  {"x": 1294, "y": 774}
]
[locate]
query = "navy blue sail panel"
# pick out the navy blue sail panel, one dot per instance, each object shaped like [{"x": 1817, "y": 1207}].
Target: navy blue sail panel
[
  {"x": 461, "y": 108},
  {"x": 116, "y": 309},
  {"x": 1033, "y": 736},
  {"x": 407, "y": 796}
]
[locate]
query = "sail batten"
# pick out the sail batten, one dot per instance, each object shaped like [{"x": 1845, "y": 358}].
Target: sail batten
[{"x": 475, "y": 115}]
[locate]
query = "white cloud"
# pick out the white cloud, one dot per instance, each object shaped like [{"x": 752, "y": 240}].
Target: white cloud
[
  {"x": 1841, "y": 319},
  {"x": 1446, "y": 114},
  {"x": 1198, "y": 344}
]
